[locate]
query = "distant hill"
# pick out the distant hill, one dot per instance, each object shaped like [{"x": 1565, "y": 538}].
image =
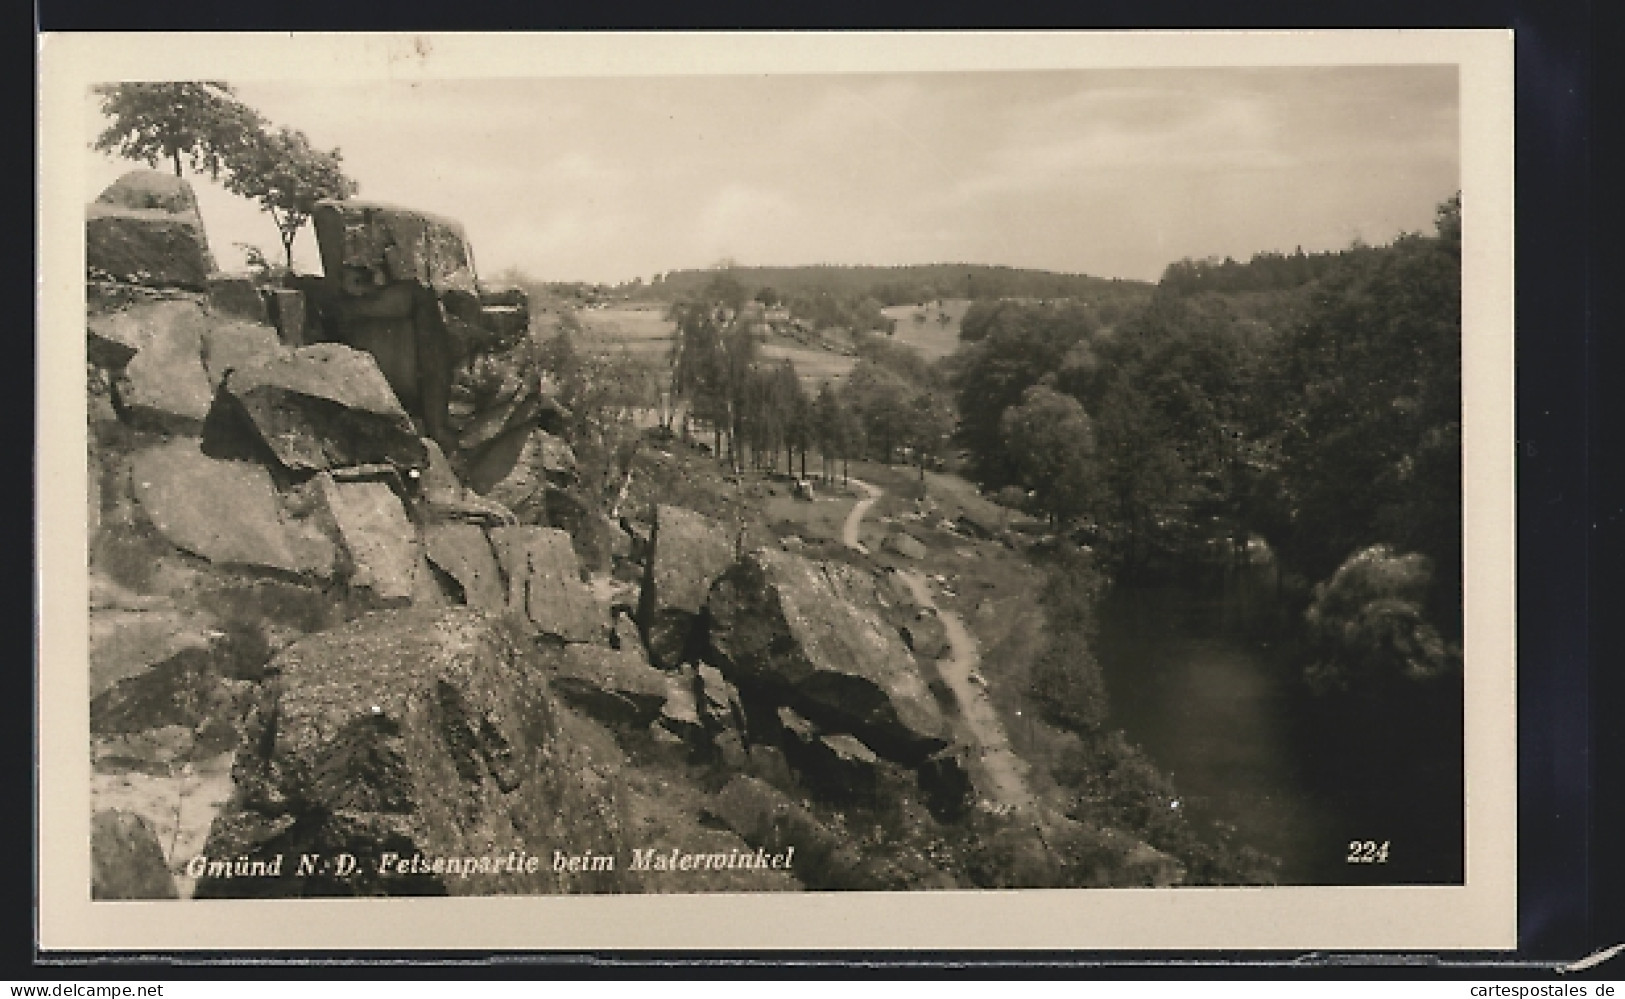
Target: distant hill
[{"x": 903, "y": 285}]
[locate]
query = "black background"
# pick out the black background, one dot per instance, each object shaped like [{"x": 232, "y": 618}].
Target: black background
[{"x": 1570, "y": 520}]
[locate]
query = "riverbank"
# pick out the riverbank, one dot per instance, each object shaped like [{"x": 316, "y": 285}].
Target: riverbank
[
  {"x": 1204, "y": 676},
  {"x": 1046, "y": 722}
]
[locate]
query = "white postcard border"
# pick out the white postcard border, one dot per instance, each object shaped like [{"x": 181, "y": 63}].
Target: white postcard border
[{"x": 1479, "y": 915}]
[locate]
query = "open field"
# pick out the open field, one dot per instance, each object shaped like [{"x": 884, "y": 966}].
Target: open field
[
  {"x": 813, "y": 366},
  {"x": 642, "y": 330},
  {"x": 931, "y": 337}
]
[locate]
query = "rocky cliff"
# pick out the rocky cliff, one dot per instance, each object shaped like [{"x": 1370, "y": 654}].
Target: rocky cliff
[{"x": 335, "y": 654}]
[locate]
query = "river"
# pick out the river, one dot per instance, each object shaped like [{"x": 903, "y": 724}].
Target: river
[{"x": 1194, "y": 682}]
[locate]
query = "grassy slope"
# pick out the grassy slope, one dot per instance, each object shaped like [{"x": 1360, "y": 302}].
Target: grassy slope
[{"x": 931, "y": 337}]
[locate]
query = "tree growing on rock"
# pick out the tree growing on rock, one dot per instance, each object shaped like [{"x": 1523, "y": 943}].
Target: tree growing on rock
[
  {"x": 287, "y": 176},
  {"x": 155, "y": 123}
]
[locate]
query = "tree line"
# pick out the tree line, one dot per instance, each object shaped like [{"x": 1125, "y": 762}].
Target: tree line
[
  {"x": 1267, "y": 271},
  {"x": 892, "y": 405},
  {"x": 902, "y": 285},
  {"x": 1324, "y": 418}
]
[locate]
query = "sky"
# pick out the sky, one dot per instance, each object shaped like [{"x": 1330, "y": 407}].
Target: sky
[{"x": 1114, "y": 173}]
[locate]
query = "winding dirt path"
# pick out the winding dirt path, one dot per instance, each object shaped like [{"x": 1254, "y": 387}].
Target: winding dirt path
[
  {"x": 1006, "y": 772},
  {"x": 854, "y": 520}
]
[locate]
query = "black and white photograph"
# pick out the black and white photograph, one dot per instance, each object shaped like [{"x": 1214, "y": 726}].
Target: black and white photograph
[{"x": 1076, "y": 476}]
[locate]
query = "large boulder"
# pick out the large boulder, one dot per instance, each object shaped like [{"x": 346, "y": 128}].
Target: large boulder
[
  {"x": 463, "y": 552},
  {"x": 777, "y": 623},
  {"x": 115, "y": 333},
  {"x": 161, "y": 382},
  {"x": 231, "y": 345},
  {"x": 544, "y": 583},
  {"x": 404, "y": 738},
  {"x": 924, "y": 634},
  {"x": 150, "y": 190},
  {"x": 145, "y": 229},
  {"x": 368, "y": 244},
  {"x": 127, "y": 642},
  {"x": 615, "y": 685},
  {"x": 195, "y": 695},
  {"x": 222, "y": 510},
  {"x": 517, "y": 469},
  {"x": 380, "y": 542},
  {"x": 126, "y": 859},
  {"x": 400, "y": 284},
  {"x": 688, "y": 551},
  {"x": 766, "y": 817},
  {"x": 314, "y": 408}
]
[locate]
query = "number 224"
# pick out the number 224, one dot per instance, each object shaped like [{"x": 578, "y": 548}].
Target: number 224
[{"x": 1367, "y": 851}]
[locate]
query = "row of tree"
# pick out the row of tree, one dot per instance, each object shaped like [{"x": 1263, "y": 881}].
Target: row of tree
[
  {"x": 1269, "y": 271},
  {"x": 892, "y": 405},
  {"x": 900, "y": 402},
  {"x": 909, "y": 285},
  {"x": 824, "y": 310},
  {"x": 205, "y": 125},
  {"x": 889, "y": 286}
]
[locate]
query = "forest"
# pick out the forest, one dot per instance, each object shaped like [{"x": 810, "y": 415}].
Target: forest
[
  {"x": 1307, "y": 403},
  {"x": 1302, "y": 409},
  {"x": 1312, "y": 401},
  {"x": 903, "y": 285},
  {"x": 1317, "y": 422}
]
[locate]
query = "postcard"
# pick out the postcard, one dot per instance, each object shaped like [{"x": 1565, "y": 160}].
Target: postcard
[{"x": 966, "y": 491}]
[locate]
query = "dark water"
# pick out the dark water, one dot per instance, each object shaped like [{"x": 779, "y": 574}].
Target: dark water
[{"x": 1195, "y": 680}]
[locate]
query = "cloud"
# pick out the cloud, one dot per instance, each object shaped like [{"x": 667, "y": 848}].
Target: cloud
[
  {"x": 1109, "y": 171},
  {"x": 851, "y": 110},
  {"x": 741, "y": 219},
  {"x": 1129, "y": 132}
]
